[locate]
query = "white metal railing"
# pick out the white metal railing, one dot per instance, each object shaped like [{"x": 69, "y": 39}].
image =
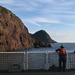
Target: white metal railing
[
  {"x": 18, "y": 61},
  {"x": 11, "y": 60}
]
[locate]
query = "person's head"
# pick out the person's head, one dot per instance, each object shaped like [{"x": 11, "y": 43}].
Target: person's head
[{"x": 61, "y": 46}]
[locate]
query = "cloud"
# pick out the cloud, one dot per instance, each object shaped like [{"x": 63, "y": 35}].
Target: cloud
[
  {"x": 26, "y": 5},
  {"x": 18, "y": 5},
  {"x": 6, "y": 1},
  {"x": 63, "y": 37},
  {"x": 29, "y": 21},
  {"x": 43, "y": 6},
  {"x": 67, "y": 3},
  {"x": 37, "y": 20},
  {"x": 45, "y": 1},
  {"x": 59, "y": 7},
  {"x": 44, "y": 20},
  {"x": 69, "y": 24},
  {"x": 34, "y": 23}
]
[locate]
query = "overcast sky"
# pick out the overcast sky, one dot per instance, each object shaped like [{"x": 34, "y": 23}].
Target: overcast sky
[{"x": 56, "y": 17}]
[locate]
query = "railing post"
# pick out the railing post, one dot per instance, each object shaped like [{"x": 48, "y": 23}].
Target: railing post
[
  {"x": 47, "y": 63},
  {"x": 24, "y": 62},
  {"x": 67, "y": 61}
]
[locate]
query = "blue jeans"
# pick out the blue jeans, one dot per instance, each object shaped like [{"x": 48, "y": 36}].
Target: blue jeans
[{"x": 62, "y": 61}]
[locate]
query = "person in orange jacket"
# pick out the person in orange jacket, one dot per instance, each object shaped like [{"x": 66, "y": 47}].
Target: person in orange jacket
[{"x": 62, "y": 57}]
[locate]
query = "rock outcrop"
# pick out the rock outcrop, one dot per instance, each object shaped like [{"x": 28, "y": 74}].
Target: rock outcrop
[
  {"x": 42, "y": 39},
  {"x": 13, "y": 33}
]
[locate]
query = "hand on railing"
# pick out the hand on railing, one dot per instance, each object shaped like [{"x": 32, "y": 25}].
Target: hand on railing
[{"x": 74, "y": 51}]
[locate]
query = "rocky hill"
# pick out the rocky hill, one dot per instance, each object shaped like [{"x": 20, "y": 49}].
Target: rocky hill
[
  {"x": 42, "y": 38},
  {"x": 13, "y": 33}
]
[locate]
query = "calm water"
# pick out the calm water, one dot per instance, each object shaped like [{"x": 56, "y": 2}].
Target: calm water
[{"x": 70, "y": 47}]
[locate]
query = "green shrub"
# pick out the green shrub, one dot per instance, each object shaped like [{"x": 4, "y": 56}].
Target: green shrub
[{"x": 3, "y": 10}]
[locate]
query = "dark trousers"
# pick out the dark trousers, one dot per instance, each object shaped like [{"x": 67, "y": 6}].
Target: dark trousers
[{"x": 62, "y": 62}]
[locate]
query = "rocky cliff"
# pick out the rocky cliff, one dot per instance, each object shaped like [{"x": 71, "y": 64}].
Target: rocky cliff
[
  {"x": 15, "y": 36},
  {"x": 13, "y": 33},
  {"x": 42, "y": 38}
]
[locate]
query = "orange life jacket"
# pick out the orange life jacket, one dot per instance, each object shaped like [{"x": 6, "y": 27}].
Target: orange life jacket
[{"x": 62, "y": 51}]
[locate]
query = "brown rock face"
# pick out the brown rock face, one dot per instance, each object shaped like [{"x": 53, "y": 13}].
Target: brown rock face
[{"x": 13, "y": 34}]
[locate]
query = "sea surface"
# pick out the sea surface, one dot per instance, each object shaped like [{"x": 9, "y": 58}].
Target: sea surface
[{"x": 70, "y": 47}]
